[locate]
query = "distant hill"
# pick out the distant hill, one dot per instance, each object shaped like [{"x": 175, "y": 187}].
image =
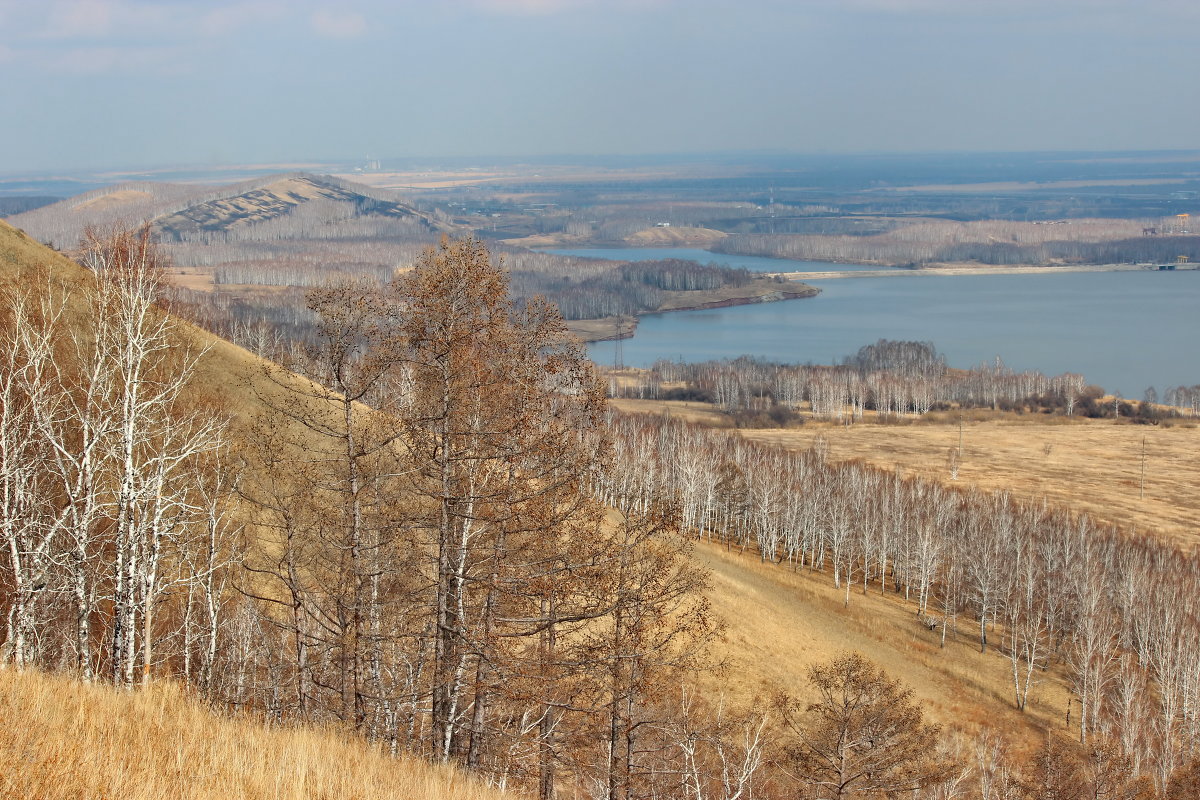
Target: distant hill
[
  {"x": 23, "y": 203},
  {"x": 248, "y": 211},
  {"x": 62, "y": 224},
  {"x": 311, "y": 201}
]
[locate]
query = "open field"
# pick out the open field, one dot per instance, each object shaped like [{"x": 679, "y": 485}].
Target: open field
[
  {"x": 65, "y": 739},
  {"x": 703, "y": 413},
  {"x": 674, "y": 237},
  {"x": 1087, "y": 465},
  {"x": 780, "y": 622}
]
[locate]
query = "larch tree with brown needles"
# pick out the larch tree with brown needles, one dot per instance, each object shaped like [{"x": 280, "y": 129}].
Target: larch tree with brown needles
[
  {"x": 502, "y": 422},
  {"x": 863, "y": 737}
]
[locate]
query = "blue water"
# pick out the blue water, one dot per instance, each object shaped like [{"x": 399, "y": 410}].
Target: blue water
[
  {"x": 752, "y": 263},
  {"x": 1124, "y": 331}
]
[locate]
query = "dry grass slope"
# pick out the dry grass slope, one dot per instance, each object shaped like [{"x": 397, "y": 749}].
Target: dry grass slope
[
  {"x": 779, "y": 623},
  {"x": 1092, "y": 465},
  {"x": 227, "y": 374},
  {"x": 674, "y": 237},
  {"x": 64, "y": 739}
]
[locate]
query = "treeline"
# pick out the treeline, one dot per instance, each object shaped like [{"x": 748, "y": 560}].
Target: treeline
[
  {"x": 1042, "y": 587},
  {"x": 282, "y": 262},
  {"x": 614, "y": 223},
  {"x": 632, "y": 288},
  {"x": 889, "y": 377},
  {"x": 293, "y": 273},
  {"x": 987, "y": 241},
  {"x": 1184, "y": 397},
  {"x": 114, "y": 477},
  {"x": 580, "y": 288},
  {"x": 273, "y": 326}
]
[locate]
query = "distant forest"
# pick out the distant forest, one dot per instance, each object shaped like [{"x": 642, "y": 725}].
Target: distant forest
[
  {"x": 998, "y": 242},
  {"x": 892, "y": 379},
  {"x": 632, "y": 288}
]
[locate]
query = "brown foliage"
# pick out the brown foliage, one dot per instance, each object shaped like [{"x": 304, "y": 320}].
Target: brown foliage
[{"x": 864, "y": 737}]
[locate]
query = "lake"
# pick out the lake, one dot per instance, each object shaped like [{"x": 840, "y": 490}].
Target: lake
[{"x": 1124, "y": 331}]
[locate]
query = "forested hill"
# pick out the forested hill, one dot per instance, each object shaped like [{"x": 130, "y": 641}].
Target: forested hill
[{"x": 286, "y": 206}]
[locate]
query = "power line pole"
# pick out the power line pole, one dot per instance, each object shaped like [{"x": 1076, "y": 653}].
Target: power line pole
[{"x": 1142, "y": 485}]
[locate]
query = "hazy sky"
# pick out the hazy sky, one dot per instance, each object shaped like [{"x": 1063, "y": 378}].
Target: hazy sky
[{"x": 127, "y": 83}]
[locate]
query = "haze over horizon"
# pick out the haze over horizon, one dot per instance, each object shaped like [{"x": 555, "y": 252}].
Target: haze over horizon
[{"x": 113, "y": 83}]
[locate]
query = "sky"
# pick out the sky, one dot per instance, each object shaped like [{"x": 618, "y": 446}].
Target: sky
[{"x": 132, "y": 83}]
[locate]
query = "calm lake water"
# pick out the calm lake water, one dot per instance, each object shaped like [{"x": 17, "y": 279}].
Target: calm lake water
[{"x": 1123, "y": 330}]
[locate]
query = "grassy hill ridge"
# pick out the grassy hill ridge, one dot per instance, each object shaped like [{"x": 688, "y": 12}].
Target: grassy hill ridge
[{"x": 180, "y": 211}]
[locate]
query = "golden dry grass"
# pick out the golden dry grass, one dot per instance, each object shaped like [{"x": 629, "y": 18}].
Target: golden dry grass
[
  {"x": 64, "y": 739},
  {"x": 1094, "y": 466},
  {"x": 674, "y": 237},
  {"x": 111, "y": 199},
  {"x": 703, "y": 413},
  {"x": 231, "y": 372},
  {"x": 780, "y": 622},
  {"x": 1090, "y": 465}
]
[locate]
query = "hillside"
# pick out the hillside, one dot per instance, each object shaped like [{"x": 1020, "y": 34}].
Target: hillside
[
  {"x": 243, "y": 252},
  {"x": 182, "y": 212},
  {"x": 285, "y": 195},
  {"x": 65, "y": 739},
  {"x": 777, "y": 622},
  {"x": 226, "y": 370}
]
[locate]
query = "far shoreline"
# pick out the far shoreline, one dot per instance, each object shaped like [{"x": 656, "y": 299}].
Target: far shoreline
[
  {"x": 610, "y": 329},
  {"x": 955, "y": 269}
]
